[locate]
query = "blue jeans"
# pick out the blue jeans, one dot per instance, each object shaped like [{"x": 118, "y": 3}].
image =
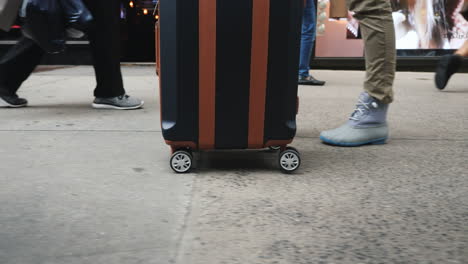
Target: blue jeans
[{"x": 309, "y": 21}]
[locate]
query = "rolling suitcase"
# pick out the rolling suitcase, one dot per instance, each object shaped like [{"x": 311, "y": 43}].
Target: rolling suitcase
[{"x": 228, "y": 76}]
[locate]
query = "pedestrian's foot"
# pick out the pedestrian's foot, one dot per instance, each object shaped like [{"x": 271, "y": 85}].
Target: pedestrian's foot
[
  {"x": 349, "y": 136},
  {"x": 12, "y": 101},
  {"x": 309, "y": 80},
  {"x": 123, "y": 102},
  {"x": 367, "y": 125},
  {"x": 448, "y": 65}
]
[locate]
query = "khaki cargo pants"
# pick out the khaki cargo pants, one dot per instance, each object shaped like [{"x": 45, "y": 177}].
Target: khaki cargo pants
[{"x": 378, "y": 32}]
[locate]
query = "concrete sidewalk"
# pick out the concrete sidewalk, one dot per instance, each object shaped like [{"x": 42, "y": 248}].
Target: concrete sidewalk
[{"x": 79, "y": 185}]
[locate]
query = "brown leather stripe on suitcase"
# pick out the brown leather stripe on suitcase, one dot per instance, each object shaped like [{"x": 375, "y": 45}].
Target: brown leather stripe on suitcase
[
  {"x": 207, "y": 72},
  {"x": 158, "y": 57},
  {"x": 258, "y": 75}
]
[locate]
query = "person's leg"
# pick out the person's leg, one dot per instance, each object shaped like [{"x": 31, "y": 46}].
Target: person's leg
[
  {"x": 378, "y": 33},
  {"x": 15, "y": 67},
  {"x": 307, "y": 37},
  {"x": 449, "y": 65},
  {"x": 105, "y": 47},
  {"x": 368, "y": 123},
  {"x": 309, "y": 22}
]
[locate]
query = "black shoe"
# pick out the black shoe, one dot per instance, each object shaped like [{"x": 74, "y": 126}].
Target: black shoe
[
  {"x": 12, "y": 101},
  {"x": 448, "y": 65},
  {"x": 309, "y": 80}
]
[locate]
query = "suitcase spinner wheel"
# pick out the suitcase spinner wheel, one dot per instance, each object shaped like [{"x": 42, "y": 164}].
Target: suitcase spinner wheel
[
  {"x": 289, "y": 160},
  {"x": 181, "y": 161}
]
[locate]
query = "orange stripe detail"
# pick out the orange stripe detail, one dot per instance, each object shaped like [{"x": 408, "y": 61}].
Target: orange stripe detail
[
  {"x": 158, "y": 66},
  {"x": 158, "y": 46},
  {"x": 207, "y": 73},
  {"x": 258, "y": 71}
]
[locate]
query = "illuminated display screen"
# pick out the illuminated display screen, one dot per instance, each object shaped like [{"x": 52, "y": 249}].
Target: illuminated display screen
[{"x": 424, "y": 24}]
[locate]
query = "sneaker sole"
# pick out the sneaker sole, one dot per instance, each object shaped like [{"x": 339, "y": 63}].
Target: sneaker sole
[
  {"x": 379, "y": 141},
  {"x": 310, "y": 83},
  {"x": 5, "y": 104},
  {"x": 107, "y": 106}
]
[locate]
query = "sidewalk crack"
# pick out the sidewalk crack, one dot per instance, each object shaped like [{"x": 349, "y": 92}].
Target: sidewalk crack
[{"x": 183, "y": 237}]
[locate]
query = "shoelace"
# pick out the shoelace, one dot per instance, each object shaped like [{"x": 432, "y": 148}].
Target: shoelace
[{"x": 361, "y": 107}]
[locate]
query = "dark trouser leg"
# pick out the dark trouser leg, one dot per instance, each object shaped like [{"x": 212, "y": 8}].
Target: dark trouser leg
[
  {"x": 105, "y": 47},
  {"x": 17, "y": 64}
]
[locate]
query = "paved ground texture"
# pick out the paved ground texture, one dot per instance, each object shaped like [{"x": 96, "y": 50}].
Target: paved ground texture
[{"x": 84, "y": 186}]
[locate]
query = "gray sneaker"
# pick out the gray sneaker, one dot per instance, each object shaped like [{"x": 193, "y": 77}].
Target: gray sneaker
[
  {"x": 367, "y": 125},
  {"x": 123, "y": 102},
  {"x": 12, "y": 101}
]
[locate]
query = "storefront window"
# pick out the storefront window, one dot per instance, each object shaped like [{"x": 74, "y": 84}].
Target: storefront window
[
  {"x": 138, "y": 20},
  {"x": 423, "y": 27}
]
